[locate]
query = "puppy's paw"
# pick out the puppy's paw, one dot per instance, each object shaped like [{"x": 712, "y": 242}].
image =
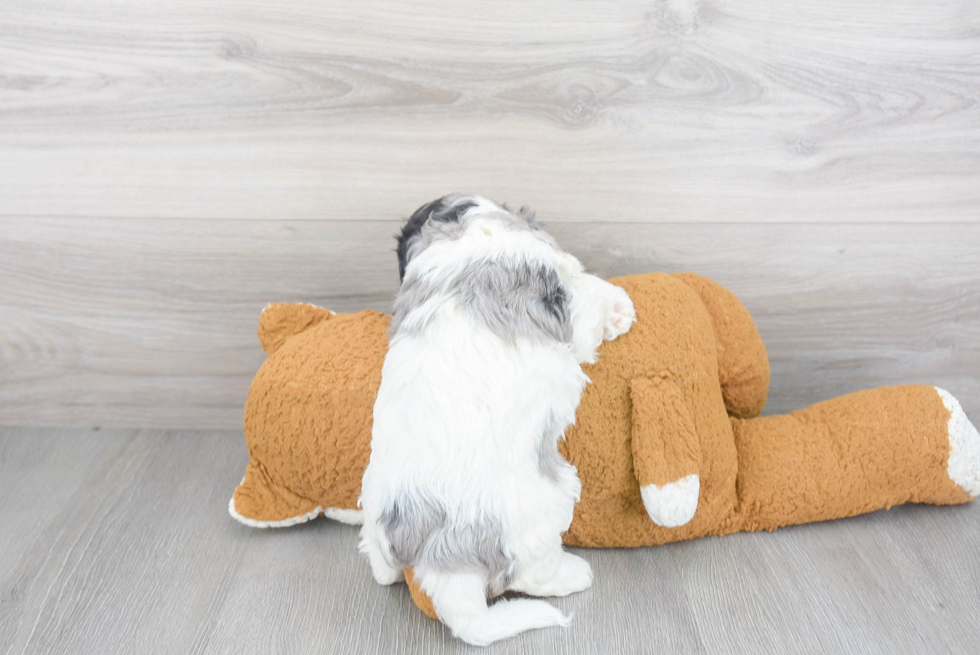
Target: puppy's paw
[
  {"x": 574, "y": 575},
  {"x": 620, "y": 317},
  {"x": 560, "y": 574},
  {"x": 385, "y": 575}
]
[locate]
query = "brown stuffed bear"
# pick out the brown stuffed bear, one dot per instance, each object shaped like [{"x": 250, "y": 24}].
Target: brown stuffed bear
[{"x": 666, "y": 440}]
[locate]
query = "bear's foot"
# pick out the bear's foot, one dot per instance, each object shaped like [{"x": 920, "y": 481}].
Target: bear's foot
[
  {"x": 673, "y": 504},
  {"x": 964, "y": 447}
]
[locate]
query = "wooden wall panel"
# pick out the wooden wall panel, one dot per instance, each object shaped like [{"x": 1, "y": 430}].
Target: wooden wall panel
[
  {"x": 166, "y": 170},
  {"x": 594, "y": 111},
  {"x": 152, "y": 323}
]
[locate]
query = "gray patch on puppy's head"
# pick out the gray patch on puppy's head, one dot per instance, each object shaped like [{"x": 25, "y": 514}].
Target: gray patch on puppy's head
[
  {"x": 447, "y": 217},
  {"x": 513, "y": 296}
]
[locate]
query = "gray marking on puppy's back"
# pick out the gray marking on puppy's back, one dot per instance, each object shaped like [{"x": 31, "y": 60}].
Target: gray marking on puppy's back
[
  {"x": 413, "y": 294},
  {"x": 422, "y": 532},
  {"x": 407, "y": 522},
  {"x": 550, "y": 461}
]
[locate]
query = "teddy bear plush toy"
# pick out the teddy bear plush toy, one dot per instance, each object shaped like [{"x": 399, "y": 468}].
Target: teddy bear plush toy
[{"x": 668, "y": 441}]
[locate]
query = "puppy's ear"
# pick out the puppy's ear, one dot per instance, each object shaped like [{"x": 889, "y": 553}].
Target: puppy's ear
[
  {"x": 410, "y": 232},
  {"x": 443, "y": 210},
  {"x": 530, "y": 218},
  {"x": 450, "y": 213}
]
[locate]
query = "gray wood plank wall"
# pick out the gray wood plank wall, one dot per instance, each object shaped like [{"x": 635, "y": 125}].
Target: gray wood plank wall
[{"x": 167, "y": 170}]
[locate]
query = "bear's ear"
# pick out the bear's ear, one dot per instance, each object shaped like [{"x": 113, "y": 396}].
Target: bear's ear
[{"x": 279, "y": 321}]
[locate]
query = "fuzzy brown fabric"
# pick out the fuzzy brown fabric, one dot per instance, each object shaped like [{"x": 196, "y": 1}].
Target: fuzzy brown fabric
[
  {"x": 676, "y": 395},
  {"x": 421, "y": 599},
  {"x": 308, "y": 415},
  {"x": 850, "y": 455}
]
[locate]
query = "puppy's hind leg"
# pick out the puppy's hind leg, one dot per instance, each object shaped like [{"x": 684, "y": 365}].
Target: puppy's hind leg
[
  {"x": 560, "y": 574},
  {"x": 544, "y": 568},
  {"x": 371, "y": 545},
  {"x": 460, "y": 600}
]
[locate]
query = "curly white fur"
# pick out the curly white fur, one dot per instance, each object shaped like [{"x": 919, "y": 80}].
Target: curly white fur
[{"x": 465, "y": 483}]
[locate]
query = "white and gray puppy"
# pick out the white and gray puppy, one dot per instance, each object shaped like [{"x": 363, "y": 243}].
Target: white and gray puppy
[{"x": 465, "y": 483}]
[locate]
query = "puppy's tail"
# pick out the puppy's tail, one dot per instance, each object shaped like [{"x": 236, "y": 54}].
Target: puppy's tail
[{"x": 460, "y": 600}]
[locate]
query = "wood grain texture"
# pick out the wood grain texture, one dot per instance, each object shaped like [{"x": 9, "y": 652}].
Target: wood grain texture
[
  {"x": 148, "y": 323},
  {"x": 671, "y": 110},
  {"x": 121, "y": 543},
  {"x": 168, "y": 169},
  {"x": 127, "y": 555}
]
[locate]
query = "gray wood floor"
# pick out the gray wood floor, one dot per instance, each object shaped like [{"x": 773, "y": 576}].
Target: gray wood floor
[{"x": 118, "y": 541}]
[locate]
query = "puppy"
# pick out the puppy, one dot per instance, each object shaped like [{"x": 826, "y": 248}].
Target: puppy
[{"x": 465, "y": 483}]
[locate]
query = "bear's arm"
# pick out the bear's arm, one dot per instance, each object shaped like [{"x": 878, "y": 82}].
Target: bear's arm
[
  {"x": 743, "y": 366},
  {"x": 666, "y": 451}
]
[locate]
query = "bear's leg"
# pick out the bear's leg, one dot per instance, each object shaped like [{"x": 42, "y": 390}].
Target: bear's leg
[
  {"x": 963, "y": 466},
  {"x": 260, "y": 502},
  {"x": 858, "y": 453},
  {"x": 541, "y": 565}
]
